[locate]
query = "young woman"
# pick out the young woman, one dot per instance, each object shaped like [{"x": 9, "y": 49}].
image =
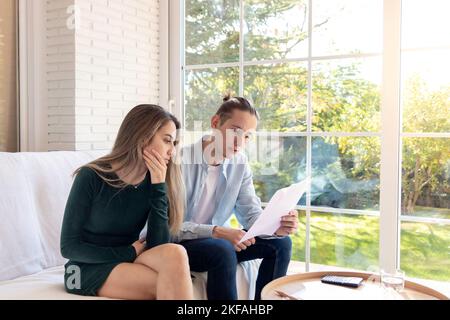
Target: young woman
[{"x": 111, "y": 200}]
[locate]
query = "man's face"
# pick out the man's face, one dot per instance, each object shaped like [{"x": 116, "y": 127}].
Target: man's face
[{"x": 235, "y": 132}]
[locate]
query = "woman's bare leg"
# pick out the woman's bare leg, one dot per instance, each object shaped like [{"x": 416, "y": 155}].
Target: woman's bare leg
[
  {"x": 130, "y": 281},
  {"x": 171, "y": 263},
  {"x": 159, "y": 273}
]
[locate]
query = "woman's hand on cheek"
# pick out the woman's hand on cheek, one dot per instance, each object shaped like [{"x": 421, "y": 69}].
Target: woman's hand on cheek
[{"x": 157, "y": 166}]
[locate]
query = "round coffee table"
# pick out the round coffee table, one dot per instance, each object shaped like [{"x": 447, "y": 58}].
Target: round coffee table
[{"x": 307, "y": 286}]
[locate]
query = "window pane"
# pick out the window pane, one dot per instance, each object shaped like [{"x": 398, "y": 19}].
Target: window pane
[
  {"x": 346, "y": 95},
  {"x": 347, "y": 26},
  {"x": 425, "y": 24},
  {"x": 8, "y": 79},
  {"x": 299, "y": 240},
  {"x": 276, "y": 162},
  {"x": 426, "y": 177},
  {"x": 346, "y": 172},
  {"x": 426, "y": 91},
  {"x": 279, "y": 92},
  {"x": 425, "y": 250},
  {"x": 275, "y": 29},
  {"x": 348, "y": 241},
  {"x": 212, "y": 31},
  {"x": 204, "y": 93}
]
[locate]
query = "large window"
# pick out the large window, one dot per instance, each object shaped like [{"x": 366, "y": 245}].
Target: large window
[
  {"x": 425, "y": 100},
  {"x": 314, "y": 70}
]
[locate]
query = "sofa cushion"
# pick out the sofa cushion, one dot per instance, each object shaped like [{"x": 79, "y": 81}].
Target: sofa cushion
[
  {"x": 34, "y": 188},
  {"x": 48, "y": 285},
  {"x": 20, "y": 247},
  {"x": 45, "y": 285}
]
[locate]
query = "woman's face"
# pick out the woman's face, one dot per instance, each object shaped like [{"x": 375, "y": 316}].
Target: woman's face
[{"x": 163, "y": 141}]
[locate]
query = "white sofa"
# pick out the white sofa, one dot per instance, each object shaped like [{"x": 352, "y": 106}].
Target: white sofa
[{"x": 33, "y": 193}]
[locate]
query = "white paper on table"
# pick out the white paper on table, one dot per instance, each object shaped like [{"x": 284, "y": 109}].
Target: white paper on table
[{"x": 283, "y": 201}]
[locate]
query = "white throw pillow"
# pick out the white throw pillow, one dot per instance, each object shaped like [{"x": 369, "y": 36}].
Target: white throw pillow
[{"x": 20, "y": 247}]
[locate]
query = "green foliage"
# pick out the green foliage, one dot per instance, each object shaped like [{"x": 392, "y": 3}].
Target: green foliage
[
  {"x": 280, "y": 92},
  {"x": 262, "y": 43},
  {"x": 426, "y": 161},
  {"x": 212, "y": 31},
  {"x": 204, "y": 92},
  {"x": 343, "y": 101}
]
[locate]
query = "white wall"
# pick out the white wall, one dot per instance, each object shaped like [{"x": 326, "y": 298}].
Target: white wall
[
  {"x": 60, "y": 76},
  {"x": 99, "y": 70}
]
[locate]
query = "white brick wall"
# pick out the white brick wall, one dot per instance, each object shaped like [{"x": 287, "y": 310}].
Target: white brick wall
[
  {"x": 99, "y": 71},
  {"x": 60, "y": 77}
]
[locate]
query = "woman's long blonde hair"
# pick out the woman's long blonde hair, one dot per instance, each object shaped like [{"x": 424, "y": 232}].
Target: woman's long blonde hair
[{"x": 136, "y": 132}]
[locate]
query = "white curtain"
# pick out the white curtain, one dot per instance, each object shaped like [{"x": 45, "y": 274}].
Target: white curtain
[{"x": 8, "y": 76}]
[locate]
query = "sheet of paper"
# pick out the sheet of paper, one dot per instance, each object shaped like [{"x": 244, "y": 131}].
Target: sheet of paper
[{"x": 283, "y": 201}]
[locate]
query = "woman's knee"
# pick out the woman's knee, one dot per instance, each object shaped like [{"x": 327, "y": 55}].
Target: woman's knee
[{"x": 175, "y": 255}]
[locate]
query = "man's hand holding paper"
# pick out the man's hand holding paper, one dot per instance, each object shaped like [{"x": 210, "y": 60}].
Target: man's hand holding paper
[
  {"x": 273, "y": 219},
  {"x": 288, "y": 224}
]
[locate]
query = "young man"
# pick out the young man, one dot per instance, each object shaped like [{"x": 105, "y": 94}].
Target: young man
[{"x": 219, "y": 182}]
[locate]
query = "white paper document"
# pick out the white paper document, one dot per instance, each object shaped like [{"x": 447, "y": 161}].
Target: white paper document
[{"x": 283, "y": 201}]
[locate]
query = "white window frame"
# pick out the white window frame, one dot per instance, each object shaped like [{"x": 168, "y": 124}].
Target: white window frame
[
  {"x": 391, "y": 135},
  {"x": 390, "y": 167},
  {"x": 33, "y": 122},
  {"x": 172, "y": 57}
]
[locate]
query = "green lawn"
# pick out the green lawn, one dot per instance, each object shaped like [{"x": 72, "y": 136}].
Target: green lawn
[
  {"x": 437, "y": 213},
  {"x": 352, "y": 241}
]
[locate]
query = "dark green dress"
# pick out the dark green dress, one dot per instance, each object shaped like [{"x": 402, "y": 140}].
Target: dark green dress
[{"x": 101, "y": 223}]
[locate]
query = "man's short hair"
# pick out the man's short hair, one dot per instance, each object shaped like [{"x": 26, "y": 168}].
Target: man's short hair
[{"x": 232, "y": 103}]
